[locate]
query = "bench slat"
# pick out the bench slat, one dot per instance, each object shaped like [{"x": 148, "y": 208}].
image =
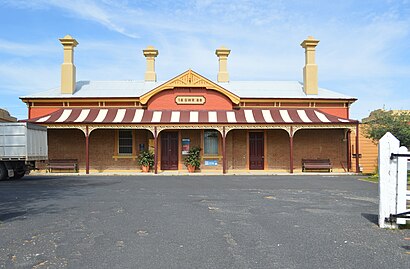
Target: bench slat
[
  {"x": 62, "y": 164},
  {"x": 316, "y": 164}
]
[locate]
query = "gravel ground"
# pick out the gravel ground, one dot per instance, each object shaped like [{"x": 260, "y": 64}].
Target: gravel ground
[{"x": 195, "y": 222}]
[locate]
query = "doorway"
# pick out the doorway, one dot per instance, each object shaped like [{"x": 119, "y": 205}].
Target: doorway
[
  {"x": 169, "y": 151},
  {"x": 256, "y": 151}
]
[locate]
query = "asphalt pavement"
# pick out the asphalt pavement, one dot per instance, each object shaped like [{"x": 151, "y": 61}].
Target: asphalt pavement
[{"x": 195, "y": 222}]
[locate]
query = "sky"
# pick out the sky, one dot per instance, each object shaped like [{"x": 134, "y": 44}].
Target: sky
[{"x": 364, "y": 48}]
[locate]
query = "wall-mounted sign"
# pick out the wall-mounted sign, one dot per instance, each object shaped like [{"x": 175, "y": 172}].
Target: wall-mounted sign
[
  {"x": 185, "y": 145},
  {"x": 211, "y": 162},
  {"x": 190, "y": 100}
]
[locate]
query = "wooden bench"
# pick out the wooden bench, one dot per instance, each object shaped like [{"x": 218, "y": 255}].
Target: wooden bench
[
  {"x": 62, "y": 164},
  {"x": 316, "y": 164}
]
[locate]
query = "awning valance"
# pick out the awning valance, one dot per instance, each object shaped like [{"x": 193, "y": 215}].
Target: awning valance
[{"x": 142, "y": 116}]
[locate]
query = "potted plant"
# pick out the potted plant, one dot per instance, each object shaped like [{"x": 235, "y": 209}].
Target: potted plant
[
  {"x": 193, "y": 159},
  {"x": 146, "y": 160}
]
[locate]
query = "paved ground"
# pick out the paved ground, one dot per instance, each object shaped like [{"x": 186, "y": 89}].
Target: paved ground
[{"x": 195, "y": 222}]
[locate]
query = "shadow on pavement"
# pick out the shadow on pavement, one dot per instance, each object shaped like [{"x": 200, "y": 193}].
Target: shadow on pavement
[
  {"x": 37, "y": 195},
  {"x": 371, "y": 217}
]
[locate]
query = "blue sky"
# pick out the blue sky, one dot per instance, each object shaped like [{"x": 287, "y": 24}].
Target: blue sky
[{"x": 364, "y": 48}]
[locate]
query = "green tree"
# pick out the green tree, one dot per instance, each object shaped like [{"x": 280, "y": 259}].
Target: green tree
[{"x": 380, "y": 122}]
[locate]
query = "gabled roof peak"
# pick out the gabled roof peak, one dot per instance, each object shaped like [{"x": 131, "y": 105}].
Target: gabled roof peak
[{"x": 189, "y": 79}]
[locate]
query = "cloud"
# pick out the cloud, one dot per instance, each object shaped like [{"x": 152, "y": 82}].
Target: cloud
[
  {"x": 361, "y": 49},
  {"x": 97, "y": 11},
  {"x": 17, "y": 77},
  {"x": 25, "y": 49}
]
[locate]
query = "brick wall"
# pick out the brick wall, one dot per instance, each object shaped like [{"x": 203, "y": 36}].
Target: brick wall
[
  {"x": 70, "y": 144},
  {"x": 236, "y": 150},
  {"x": 195, "y": 141},
  {"x": 67, "y": 144},
  {"x": 326, "y": 144},
  {"x": 277, "y": 150}
]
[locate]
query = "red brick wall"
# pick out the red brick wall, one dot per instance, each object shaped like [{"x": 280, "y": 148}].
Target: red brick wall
[
  {"x": 278, "y": 151},
  {"x": 326, "y": 144},
  {"x": 67, "y": 144},
  {"x": 70, "y": 144},
  {"x": 236, "y": 150},
  {"x": 195, "y": 141}
]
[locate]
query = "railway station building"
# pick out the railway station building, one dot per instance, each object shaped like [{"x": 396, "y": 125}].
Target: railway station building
[{"x": 241, "y": 126}]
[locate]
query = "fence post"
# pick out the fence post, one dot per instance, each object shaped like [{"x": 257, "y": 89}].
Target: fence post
[
  {"x": 401, "y": 184},
  {"x": 388, "y": 144}
]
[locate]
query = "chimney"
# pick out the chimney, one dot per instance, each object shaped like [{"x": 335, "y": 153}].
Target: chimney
[
  {"x": 68, "y": 67},
  {"x": 150, "y": 53},
  {"x": 310, "y": 81},
  {"x": 223, "y": 53}
]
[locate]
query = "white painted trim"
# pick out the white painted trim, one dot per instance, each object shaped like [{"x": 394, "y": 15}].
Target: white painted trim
[
  {"x": 120, "y": 115},
  {"x": 303, "y": 116},
  {"x": 83, "y": 115},
  {"x": 66, "y": 113},
  {"x": 138, "y": 115},
  {"x": 193, "y": 116},
  {"x": 267, "y": 116},
  {"x": 156, "y": 116},
  {"x": 175, "y": 115},
  {"x": 230, "y": 116},
  {"x": 212, "y": 116},
  {"x": 285, "y": 116},
  {"x": 321, "y": 116},
  {"x": 101, "y": 115},
  {"x": 249, "y": 116},
  {"x": 43, "y": 119}
]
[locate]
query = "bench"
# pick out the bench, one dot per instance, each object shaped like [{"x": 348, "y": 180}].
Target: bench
[
  {"x": 62, "y": 164},
  {"x": 316, "y": 164}
]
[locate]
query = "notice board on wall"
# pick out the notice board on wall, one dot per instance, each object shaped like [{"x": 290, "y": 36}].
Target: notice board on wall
[
  {"x": 211, "y": 162},
  {"x": 185, "y": 145}
]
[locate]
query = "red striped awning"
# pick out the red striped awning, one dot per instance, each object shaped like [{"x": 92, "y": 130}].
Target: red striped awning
[{"x": 141, "y": 116}]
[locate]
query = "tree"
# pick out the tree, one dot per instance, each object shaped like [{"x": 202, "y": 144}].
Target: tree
[{"x": 380, "y": 122}]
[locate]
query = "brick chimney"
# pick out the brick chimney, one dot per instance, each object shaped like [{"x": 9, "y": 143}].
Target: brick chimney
[
  {"x": 223, "y": 53},
  {"x": 68, "y": 68},
  {"x": 310, "y": 80},
  {"x": 150, "y": 53}
]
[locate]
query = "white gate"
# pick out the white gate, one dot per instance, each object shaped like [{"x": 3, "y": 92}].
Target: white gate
[{"x": 393, "y": 191}]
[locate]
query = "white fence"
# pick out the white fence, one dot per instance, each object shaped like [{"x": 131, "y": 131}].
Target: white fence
[{"x": 392, "y": 182}]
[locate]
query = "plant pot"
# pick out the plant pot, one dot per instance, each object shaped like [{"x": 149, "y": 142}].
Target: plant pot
[
  {"x": 191, "y": 168},
  {"x": 145, "y": 169}
]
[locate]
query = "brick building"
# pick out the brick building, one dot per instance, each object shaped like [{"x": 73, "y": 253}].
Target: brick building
[{"x": 240, "y": 125}]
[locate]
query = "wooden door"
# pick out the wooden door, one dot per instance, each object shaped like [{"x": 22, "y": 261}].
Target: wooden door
[
  {"x": 169, "y": 151},
  {"x": 256, "y": 151}
]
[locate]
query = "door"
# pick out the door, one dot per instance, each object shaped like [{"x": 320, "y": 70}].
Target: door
[
  {"x": 169, "y": 151},
  {"x": 256, "y": 152}
]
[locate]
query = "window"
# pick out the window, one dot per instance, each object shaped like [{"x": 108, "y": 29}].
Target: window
[
  {"x": 210, "y": 142},
  {"x": 125, "y": 141}
]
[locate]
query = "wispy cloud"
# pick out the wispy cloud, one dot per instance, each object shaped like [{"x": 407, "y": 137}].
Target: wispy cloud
[
  {"x": 19, "y": 78},
  {"x": 25, "y": 49},
  {"x": 361, "y": 48},
  {"x": 267, "y": 32},
  {"x": 97, "y": 11}
]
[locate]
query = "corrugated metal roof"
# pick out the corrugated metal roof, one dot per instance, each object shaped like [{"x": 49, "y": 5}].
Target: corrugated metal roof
[
  {"x": 244, "y": 89},
  {"x": 141, "y": 116},
  {"x": 277, "y": 89},
  {"x": 87, "y": 89}
]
